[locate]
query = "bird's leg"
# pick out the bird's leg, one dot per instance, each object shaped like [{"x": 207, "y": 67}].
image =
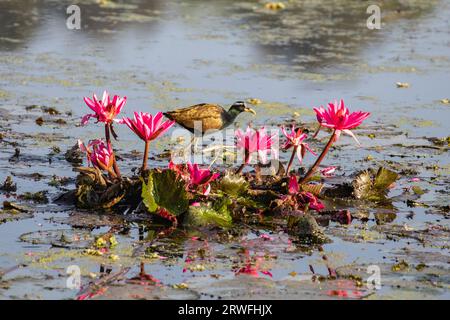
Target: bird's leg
[
  {"x": 195, "y": 142},
  {"x": 188, "y": 147}
]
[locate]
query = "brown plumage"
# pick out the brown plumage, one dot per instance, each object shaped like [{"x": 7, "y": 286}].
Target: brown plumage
[{"x": 211, "y": 116}]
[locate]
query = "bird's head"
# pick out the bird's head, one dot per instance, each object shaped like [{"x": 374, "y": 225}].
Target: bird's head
[{"x": 240, "y": 106}]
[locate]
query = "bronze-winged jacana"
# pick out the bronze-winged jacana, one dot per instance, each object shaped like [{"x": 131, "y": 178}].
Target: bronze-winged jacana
[
  {"x": 204, "y": 117},
  {"x": 211, "y": 116}
]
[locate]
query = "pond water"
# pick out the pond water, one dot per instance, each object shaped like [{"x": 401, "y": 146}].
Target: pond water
[{"x": 167, "y": 54}]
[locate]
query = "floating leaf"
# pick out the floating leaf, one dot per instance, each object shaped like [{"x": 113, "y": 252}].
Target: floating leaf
[
  {"x": 307, "y": 230},
  {"x": 90, "y": 176},
  {"x": 418, "y": 190},
  {"x": 7, "y": 205},
  {"x": 13, "y": 214},
  {"x": 315, "y": 189},
  {"x": 368, "y": 186},
  {"x": 37, "y": 197},
  {"x": 90, "y": 195},
  {"x": 165, "y": 190},
  {"x": 254, "y": 101},
  {"x": 402, "y": 85},
  {"x": 383, "y": 217},
  {"x": 233, "y": 185},
  {"x": 86, "y": 197},
  {"x": 66, "y": 238},
  {"x": 401, "y": 266},
  {"x": 206, "y": 215},
  {"x": 384, "y": 178},
  {"x": 260, "y": 198},
  {"x": 112, "y": 196},
  {"x": 8, "y": 185},
  {"x": 362, "y": 184},
  {"x": 275, "y": 6}
]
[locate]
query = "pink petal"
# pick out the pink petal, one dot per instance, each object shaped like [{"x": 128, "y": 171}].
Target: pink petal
[
  {"x": 352, "y": 135},
  {"x": 293, "y": 185},
  {"x": 309, "y": 149},
  {"x": 207, "y": 189},
  {"x": 82, "y": 146},
  {"x": 299, "y": 153},
  {"x": 91, "y": 104},
  {"x": 328, "y": 171},
  {"x": 121, "y": 103},
  {"x": 105, "y": 98},
  {"x": 86, "y": 118}
]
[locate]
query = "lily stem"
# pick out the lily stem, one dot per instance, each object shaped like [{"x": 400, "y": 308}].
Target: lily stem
[
  {"x": 246, "y": 161},
  {"x": 319, "y": 159},
  {"x": 108, "y": 141},
  {"x": 144, "y": 161},
  {"x": 291, "y": 160}
]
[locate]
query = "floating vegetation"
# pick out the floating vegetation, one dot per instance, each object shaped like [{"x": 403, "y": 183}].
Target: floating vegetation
[
  {"x": 371, "y": 186},
  {"x": 275, "y": 5},
  {"x": 63, "y": 238},
  {"x": 201, "y": 197},
  {"x": 49, "y": 110},
  {"x": 402, "y": 85},
  {"x": 254, "y": 101},
  {"x": 37, "y": 197},
  {"x": 8, "y": 185}
]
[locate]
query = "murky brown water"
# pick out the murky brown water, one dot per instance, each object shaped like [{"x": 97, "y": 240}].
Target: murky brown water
[{"x": 166, "y": 54}]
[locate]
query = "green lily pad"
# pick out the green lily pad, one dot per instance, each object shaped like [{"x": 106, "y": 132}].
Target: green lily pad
[
  {"x": 370, "y": 186},
  {"x": 418, "y": 190},
  {"x": 384, "y": 178},
  {"x": 233, "y": 185},
  {"x": 207, "y": 215},
  {"x": 165, "y": 190}
]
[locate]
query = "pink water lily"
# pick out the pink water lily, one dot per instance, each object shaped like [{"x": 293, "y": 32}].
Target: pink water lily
[
  {"x": 252, "y": 141},
  {"x": 339, "y": 118},
  {"x": 201, "y": 177},
  {"x": 99, "y": 154},
  {"x": 303, "y": 197},
  {"x": 295, "y": 140},
  {"x": 311, "y": 200},
  {"x": 148, "y": 128},
  {"x": 105, "y": 110},
  {"x": 194, "y": 176}
]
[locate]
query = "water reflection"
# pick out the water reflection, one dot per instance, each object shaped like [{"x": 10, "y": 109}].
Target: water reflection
[
  {"x": 312, "y": 34},
  {"x": 22, "y": 20},
  {"x": 307, "y": 34}
]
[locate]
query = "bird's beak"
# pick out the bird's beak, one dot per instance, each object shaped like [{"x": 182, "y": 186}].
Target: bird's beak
[{"x": 250, "y": 110}]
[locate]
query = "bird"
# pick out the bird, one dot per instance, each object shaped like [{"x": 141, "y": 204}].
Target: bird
[
  {"x": 212, "y": 117},
  {"x": 204, "y": 118}
]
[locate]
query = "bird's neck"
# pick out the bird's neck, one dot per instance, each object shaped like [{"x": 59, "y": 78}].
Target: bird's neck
[{"x": 233, "y": 113}]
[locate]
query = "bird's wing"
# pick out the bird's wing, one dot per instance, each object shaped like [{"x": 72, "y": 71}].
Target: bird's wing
[{"x": 209, "y": 114}]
